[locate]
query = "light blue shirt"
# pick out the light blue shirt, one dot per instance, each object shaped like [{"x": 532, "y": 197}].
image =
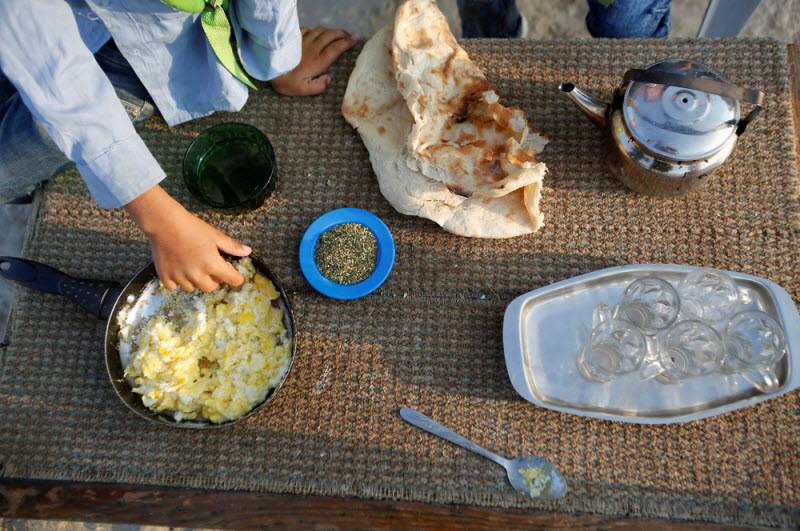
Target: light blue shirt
[{"x": 46, "y": 51}]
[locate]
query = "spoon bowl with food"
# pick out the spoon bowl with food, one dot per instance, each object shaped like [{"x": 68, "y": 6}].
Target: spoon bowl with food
[{"x": 530, "y": 475}]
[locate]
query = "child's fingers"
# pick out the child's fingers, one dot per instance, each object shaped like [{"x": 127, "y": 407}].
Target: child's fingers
[
  {"x": 335, "y": 48},
  {"x": 168, "y": 283},
  {"x": 207, "y": 284},
  {"x": 226, "y": 244},
  {"x": 167, "y": 278},
  {"x": 185, "y": 284},
  {"x": 316, "y": 85},
  {"x": 228, "y": 274},
  {"x": 311, "y": 35},
  {"x": 327, "y": 37}
]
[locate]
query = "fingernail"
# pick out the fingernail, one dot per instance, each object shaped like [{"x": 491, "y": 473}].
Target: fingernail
[{"x": 246, "y": 248}]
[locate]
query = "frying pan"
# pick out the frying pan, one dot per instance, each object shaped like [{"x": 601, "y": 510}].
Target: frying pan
[{"x": 113, "y": 302}]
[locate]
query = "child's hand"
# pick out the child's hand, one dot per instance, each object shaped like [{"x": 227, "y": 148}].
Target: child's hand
[
  {"x": 321, "y": 47},
  {"x": 185, "y": 248}
]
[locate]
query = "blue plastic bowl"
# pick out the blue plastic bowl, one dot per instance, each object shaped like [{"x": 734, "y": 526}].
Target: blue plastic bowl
[{"x": 383, "y": 263}]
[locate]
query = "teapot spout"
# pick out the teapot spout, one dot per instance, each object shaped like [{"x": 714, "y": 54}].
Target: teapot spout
[{"x": 595, "y": 108}]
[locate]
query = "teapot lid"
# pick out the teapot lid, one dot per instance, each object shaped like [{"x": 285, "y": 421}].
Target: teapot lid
[{"x": 676, "y": 122}]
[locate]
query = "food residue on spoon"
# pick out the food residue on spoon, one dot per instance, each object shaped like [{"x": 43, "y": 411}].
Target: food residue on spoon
[{"x": 537, "y": 479}]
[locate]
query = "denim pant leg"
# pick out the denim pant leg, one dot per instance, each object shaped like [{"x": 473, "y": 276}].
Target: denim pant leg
[
  {"x": 129, "y": 89},
  {"x": 628, "y": 18},
  {"x": 489, "y": 18},
  {"x": 28, "y": 156}
]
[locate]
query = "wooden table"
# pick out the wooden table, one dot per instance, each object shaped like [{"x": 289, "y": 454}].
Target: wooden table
[{"x": 97, "y": 502}]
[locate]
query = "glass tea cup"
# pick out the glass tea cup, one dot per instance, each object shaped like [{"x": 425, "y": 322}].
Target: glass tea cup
[
  {"x": 754, "y": 343},
  {"x": 689, "y": 349},
  {"x": 614, "y": 347},
  {"x": 231, "y": 166},
  {"x": 651, "y": 303},
  {"x": 709, "y": 295}
]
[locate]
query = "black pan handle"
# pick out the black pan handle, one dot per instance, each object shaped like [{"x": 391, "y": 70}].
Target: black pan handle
[{"x": 96, "y": 296}]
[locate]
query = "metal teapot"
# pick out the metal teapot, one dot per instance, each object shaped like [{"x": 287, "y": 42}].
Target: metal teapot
[{"x": 670, "y": 125}]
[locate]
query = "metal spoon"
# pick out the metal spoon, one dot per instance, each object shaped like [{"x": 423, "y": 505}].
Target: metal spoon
[{"x": 553, "y": 489}]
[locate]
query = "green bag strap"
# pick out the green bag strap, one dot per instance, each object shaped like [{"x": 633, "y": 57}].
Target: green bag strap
[{"x": 218, "y": 31}]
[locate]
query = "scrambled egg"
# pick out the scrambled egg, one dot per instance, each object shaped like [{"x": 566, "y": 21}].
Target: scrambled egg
[
  {"x": 212, "y": 356},
  {"x": 537, "y": 479}
]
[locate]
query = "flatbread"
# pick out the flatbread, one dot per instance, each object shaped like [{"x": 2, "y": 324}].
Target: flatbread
[
  {"x": 375, "y": 107},
  {"x": 462, "y": 135}
]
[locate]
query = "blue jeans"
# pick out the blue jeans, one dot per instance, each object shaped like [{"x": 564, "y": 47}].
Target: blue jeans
[
  {"x": 628, "y": 18},
  {"x": 622, "y": 18},
  {"x": 489, "y": 18},
  {"x": 28, "y": 156}
]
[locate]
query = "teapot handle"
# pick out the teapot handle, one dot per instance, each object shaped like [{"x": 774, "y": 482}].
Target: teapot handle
[{"x": 711, "y": 86}]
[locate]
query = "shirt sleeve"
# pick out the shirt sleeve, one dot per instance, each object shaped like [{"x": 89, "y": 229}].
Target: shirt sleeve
[
  {"x": 267, "y": 35},
  {"x": 62, "y": 85}
]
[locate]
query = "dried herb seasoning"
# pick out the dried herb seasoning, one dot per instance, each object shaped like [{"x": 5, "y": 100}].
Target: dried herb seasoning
[{"x": 346, "y": 253}]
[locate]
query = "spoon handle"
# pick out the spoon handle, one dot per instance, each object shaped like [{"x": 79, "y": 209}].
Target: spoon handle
[{"x": 431, "y": 426}]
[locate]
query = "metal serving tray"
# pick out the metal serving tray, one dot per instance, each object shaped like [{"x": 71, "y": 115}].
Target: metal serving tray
[{"x": 541, "y": 343}]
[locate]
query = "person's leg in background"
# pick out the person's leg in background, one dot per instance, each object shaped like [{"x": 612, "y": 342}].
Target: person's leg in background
[
  {"x": 628, "y": 18},
  {"x": 490, "y": 19},
  {"x": 28, "y": 156},
  {"x": 129, "y": 89}
]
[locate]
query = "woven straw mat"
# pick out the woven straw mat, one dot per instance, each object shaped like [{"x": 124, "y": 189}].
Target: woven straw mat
[{"x": 430, "y": 337}]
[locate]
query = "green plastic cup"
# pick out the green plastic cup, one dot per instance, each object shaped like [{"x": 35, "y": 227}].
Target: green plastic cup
[{"x": 231, "y": 166}]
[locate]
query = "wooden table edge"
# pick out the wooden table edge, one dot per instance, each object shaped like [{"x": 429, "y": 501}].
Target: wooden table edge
[
  {"x": 113, "y": 503},
  {"x": 211, "y": 509}
]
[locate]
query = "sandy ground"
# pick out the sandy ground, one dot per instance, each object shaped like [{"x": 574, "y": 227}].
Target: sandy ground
[
  {"x": 548, "y": 19},
  {"x": 552, "y": 19}
]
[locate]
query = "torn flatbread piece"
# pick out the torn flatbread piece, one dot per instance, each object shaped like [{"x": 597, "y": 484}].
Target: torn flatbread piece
[
  {"x": 462, "y": 134},
  {"x": 375, "y": 107}
]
